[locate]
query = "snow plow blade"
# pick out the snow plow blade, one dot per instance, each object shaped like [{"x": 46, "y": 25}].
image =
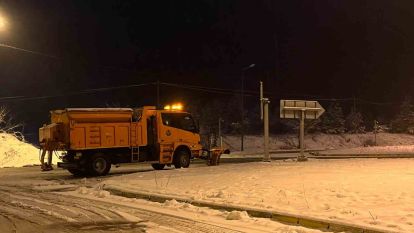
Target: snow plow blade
[{"x": 213, "y": 155}]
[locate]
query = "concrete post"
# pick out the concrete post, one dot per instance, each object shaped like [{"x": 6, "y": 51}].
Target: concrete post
[{"x": 265, "y": 101}]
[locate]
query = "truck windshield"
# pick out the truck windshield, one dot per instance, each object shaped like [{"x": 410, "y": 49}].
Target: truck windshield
[{"x": 179, "y": 120}]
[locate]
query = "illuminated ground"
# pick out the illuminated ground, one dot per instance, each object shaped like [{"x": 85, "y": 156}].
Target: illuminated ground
[
  {"x": 34, "y": 201},
  {"x": 369, "y": 192}
]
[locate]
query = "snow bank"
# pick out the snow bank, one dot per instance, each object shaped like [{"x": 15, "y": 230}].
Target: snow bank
[
  {"x": 318, "y": 141},
  {"x": 16, "y": 153},
  {"x": 367, "y": 192},
  {"x": 237, "y": 215}
]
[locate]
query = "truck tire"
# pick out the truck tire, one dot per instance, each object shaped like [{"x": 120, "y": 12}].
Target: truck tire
[
  {"x": 181, "y": 159},
  {"x": 158, "y": 166},
  {"x": 98, "y": 165}
]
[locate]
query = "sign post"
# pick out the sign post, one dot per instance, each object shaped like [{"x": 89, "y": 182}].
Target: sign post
[{"x": 301, "y": 109}]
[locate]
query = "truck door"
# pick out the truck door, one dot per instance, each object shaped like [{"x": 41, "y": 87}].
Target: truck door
[
  {"x": 166, "y": 140},
  {"x": 176, "y": 128},
  {"x": 151, "y": 130}
]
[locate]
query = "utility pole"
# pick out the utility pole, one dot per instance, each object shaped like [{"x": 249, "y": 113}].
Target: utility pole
[
  {"x": 264, "y": 115},
  {"x": 242, "y": 113},
  {"x": 266, "y": 129}
]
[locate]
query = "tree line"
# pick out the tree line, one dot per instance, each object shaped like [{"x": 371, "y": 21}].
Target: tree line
[{"x": 335, "y": 120}]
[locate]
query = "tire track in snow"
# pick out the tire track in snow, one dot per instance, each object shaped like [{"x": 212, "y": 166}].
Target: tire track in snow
[
  {"x": 85, "y": 209},
  {"x": 28, "y": 215},
  {"x": 12, "y": 223},
  {"x": 171, "y": 221}
]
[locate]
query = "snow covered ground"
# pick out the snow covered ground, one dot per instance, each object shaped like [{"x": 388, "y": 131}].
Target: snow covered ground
[
  {"x": 405, "y": 149},
  {"x": 369, "y": 192},
  {"x": 34, "y": 201},
  {"x": 318, "y": 141},
  {"x": 236, "y": 220}
]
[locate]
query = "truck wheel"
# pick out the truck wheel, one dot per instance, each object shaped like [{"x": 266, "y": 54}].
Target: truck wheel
[
  {"x": 181, "y": 159},
  {"x": 76, "y": 172},
  {"x": 158, "y": 166},
  {"x": 99, "y": 165}
]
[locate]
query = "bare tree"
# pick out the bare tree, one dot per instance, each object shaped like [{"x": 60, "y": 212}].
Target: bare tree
[{"x": 7, "y": 124}]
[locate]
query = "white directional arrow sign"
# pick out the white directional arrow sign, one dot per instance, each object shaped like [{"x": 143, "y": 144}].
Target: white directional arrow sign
[
  {"x": 301, "y": 109},
  {"x": 293, "y": 109}
]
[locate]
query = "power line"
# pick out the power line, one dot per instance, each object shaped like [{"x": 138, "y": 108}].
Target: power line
[
  {"x": 205, "y": 89},
  {"x": 183, "y": 86},
  {"x": 255, "y": 93},
  {"x": 86, "y": 91},
  {"x": 27, "y": 51}
]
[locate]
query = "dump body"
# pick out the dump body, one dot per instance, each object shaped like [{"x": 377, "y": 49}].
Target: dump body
[
  {"x": 80, "y": 129},
  {"x": 121, "y": 135}
]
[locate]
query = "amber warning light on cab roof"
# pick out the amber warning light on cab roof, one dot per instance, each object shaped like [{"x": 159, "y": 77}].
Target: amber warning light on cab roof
[{"x": 177, "y": 106}]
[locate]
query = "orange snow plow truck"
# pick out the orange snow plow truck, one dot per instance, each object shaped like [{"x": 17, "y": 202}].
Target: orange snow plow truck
[{"x": 93, "y": 139}]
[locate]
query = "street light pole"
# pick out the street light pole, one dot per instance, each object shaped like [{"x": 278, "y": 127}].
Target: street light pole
[
  {"x": 242, "y": 105},
  {"x": 242, "y": 113}
]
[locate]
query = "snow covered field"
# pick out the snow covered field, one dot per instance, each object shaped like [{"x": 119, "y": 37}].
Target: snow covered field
[
  {"x": 318, "y": 141},
  {"x": 405, "y": 149},
  {"x": 372, "y": 192}
]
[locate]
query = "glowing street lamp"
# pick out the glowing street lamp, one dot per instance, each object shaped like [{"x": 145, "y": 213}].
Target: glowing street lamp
[{"x": 3, "y": 23}]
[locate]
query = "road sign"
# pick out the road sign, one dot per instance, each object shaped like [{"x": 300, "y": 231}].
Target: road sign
[
  {"x": 301, "y": 109},
  {"x": 293, "y": 109}
]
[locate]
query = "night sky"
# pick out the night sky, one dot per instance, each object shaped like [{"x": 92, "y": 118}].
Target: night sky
[{"x": 321, "y": 49}]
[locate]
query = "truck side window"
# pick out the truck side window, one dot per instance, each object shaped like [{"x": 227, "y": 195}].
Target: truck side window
[
  {"x": 179, "y": 120},
  {"x": 137, "y": 114}
]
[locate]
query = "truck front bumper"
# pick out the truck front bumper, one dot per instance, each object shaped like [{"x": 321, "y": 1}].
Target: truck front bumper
[{"x": 68, "y": 165}]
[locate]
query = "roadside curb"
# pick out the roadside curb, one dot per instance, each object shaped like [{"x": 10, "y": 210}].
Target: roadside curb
[
  {"x": 297, "y": 220},
  {"x": 322, "y": 157},
  {"x": 364, "y": 155}
]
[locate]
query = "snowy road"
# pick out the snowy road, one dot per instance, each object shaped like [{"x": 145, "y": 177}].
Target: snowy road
[
  {"x": 32, "y": 201},
  {"x": 27, "y": 206},
  {"x": 28, "y": 211}
]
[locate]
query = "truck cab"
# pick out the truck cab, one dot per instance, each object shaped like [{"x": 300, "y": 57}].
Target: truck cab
[{"x": 170, "y": 133}]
